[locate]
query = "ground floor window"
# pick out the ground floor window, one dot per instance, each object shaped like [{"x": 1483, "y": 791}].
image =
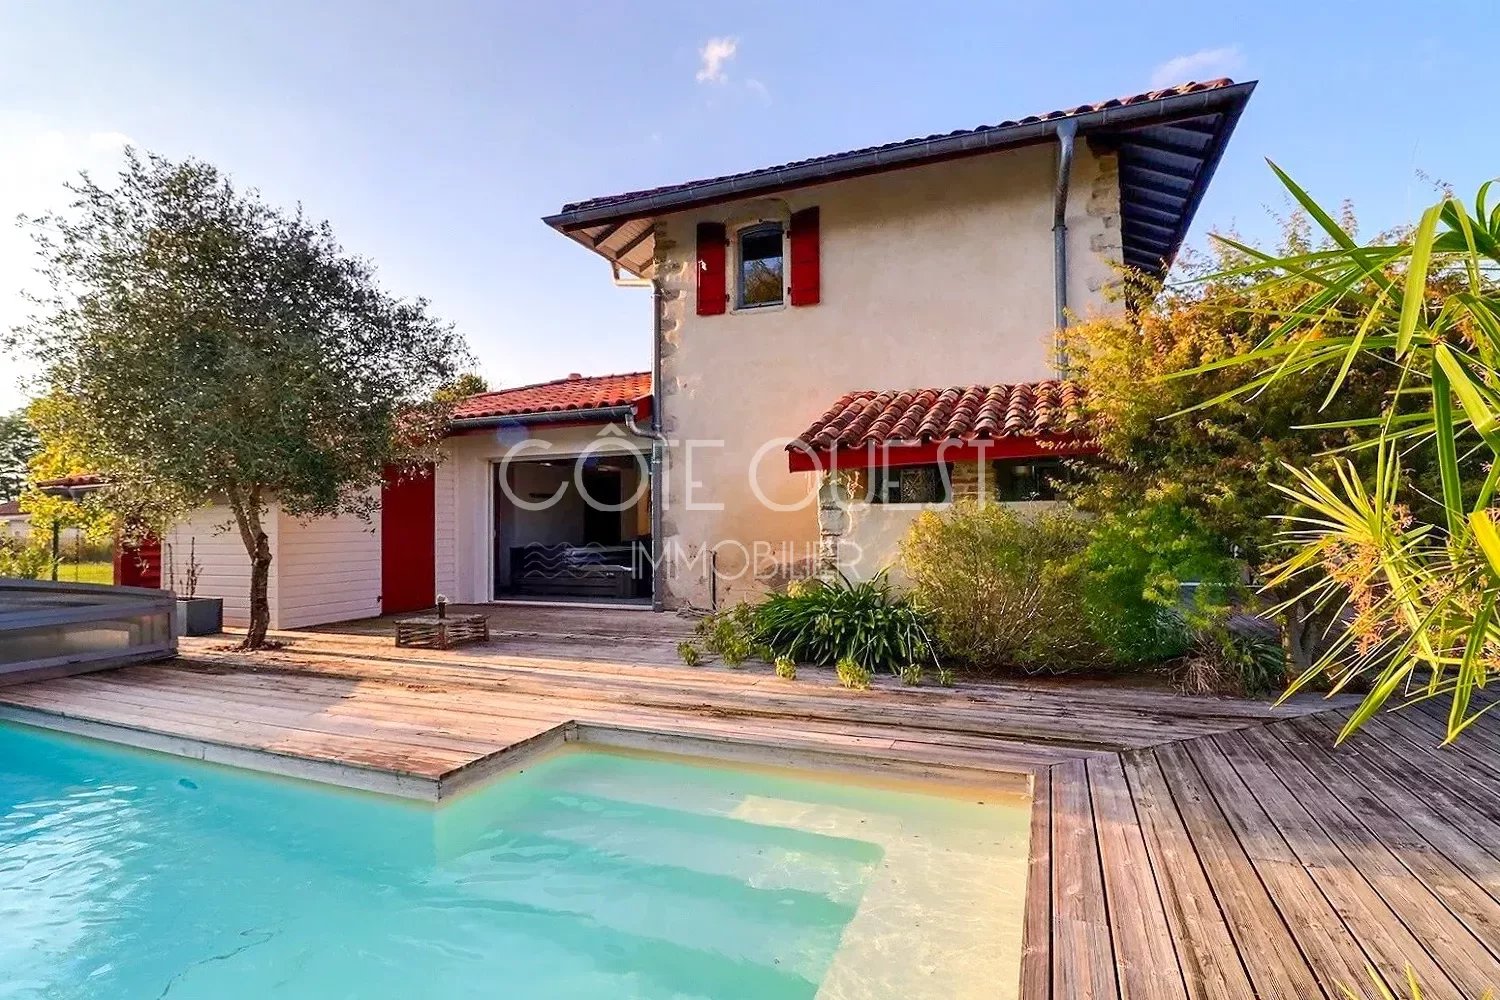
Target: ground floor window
[
  {"x": 1021, "y": 479},
  {"x": 912, "y": 484}
]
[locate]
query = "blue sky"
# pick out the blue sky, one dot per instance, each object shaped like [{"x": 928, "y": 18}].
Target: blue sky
[{"x": 435, "y": 136}]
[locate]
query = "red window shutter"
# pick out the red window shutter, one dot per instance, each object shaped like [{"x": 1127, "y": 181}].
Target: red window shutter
[
  {"x": 806, "y": 271},
  {"x": 712, "y": 290}
]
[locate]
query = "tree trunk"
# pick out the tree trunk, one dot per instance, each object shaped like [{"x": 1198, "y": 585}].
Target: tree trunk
[
  {"x": 1307, "y": 633},
  {"x": 247, "y": 509},
  {"x": 260, "y": 599}
]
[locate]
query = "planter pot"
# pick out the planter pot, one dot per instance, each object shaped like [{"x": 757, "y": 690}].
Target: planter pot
[{"x": 200, "y": 615}]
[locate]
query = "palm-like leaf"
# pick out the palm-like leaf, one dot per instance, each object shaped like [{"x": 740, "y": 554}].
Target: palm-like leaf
[{"x": 1418, "y": 590}]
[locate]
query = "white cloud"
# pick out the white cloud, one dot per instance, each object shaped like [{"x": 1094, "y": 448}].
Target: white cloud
[
  {"x": 38, "y": 161},
  {"x": 1205, "y": 64},
  {"x": 759, "y": 90},
  {"x": 714, "y": 54}
]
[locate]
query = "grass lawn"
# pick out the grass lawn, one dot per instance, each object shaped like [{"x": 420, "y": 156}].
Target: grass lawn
[{"x": 87, "y": 572}]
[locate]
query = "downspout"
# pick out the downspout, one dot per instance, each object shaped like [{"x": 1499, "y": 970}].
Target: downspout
[
  {"x": 1067, "y": 133},
  {"x": 658, "y": 449}
]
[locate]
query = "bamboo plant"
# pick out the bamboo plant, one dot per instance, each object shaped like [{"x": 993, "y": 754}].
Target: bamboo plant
[{"x": 1414, "y": 573}]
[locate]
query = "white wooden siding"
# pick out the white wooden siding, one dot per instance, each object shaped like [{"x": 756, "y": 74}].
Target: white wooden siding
[
  {"x": 210, "y": 538},
  {"x": 445, "y": 514},
  {"x": 327, "y": 570}
]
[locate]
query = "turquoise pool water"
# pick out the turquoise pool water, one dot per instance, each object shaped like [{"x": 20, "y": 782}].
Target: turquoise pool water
[{"x": 127, "y": 874}]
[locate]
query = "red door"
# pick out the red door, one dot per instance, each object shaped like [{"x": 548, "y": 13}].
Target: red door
[
  {"x": 138, "y": 564},
  {"x": 408, "y": 575}
]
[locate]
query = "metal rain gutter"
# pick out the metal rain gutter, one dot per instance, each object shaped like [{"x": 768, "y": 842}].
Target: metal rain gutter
[
  {"x": 599, "y": 413},
  {"x": 658, "y": 449},
  {"x": 905, "y": 154},
  {"x": 1067, "y": 133}
]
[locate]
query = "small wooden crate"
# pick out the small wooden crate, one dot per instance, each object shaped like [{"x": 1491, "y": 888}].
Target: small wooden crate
[{"x": 432, "y": 632}]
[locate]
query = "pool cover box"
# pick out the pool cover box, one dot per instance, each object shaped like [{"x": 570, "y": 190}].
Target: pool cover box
[{"x": 48, "y": 629}]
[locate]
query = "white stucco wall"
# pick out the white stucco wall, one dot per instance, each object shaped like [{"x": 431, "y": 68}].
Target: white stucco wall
[
  {"x": 465, "y": 520},
  {"x": 934, "y": 276},
  {"x": 326, "y": 570}
]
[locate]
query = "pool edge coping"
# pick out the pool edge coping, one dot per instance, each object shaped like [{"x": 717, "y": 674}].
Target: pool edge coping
[{"x": 720, "y": 747}]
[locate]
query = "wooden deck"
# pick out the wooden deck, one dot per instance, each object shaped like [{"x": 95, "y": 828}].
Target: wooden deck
[{"x": 1182, "y": 847}]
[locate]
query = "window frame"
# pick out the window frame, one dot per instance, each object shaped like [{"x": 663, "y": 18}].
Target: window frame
[
  {"x": 1054, "y": 464},
  {"x": 879, "y": 483},
  {"x": 763, "y": 227}
]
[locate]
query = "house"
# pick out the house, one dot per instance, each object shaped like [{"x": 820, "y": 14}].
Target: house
[
  {"x": 14, "y": 522},
  {"x": 500, "y": 516},
  {"x": 838, "y": 344},
  {"x": 888, "y": 312}
]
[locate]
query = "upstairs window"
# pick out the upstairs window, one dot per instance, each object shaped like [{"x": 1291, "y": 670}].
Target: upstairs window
[
  {"x": 912, "y": 484},
  {"x": 1029, "y": 479},
  {"x": 762, "y": 270}
]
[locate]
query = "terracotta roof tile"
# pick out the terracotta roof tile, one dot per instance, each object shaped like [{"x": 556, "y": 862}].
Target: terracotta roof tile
[
  {"x": 958, "y": 413},
  {"x": 576, "y": 392},
  {"x": 1191, "y": 87}
]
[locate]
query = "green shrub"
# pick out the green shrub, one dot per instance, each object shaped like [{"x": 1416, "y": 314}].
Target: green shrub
[
  {"x": 688, "y": 653},
  {"x": 734, "y": 652},
  {"x": 1133, "y": 572},
  {"x": 1224, "y": 660},
  {"x": 728, "y": 634},
  {"x": 26, "y": 559},
  {"x": 852, "y": 674},
  {"x": 825, "y": 621},
  {"x": 945, "y": 677},
  {"x": 1004, "y": 589},
  {"x": 911, "y": 674},
  {"x": 786, "y": 668}
]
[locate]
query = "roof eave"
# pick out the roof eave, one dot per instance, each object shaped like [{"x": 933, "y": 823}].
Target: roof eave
[
  {"x": 1229, "y": 100},
  {"x": 581, "y": 415},
  {"x": 1232, "y": 113}
]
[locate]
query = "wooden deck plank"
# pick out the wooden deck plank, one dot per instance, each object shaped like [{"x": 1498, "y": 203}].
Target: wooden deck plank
[
  {"x": 1331, "y": 950},
  {"x": 1082, "y": 955},
  {"x": 1272, "y": 957},
  {"x": 1403, "y": 823},
  {"x": 1036, "y": 934},
  {"x": 1145, "y": 958},
  {"x": 345, "y": 716},
  {"x": 1205, "y": 948},
  {"x": 376, "y": 754},
  {"x": 1455, "y": 783},
  {"x": 1353, "y": 862},
  {"x": 1428, "y": 730},
  {"x": 946, "y": 714},
  {"x": 1078, "y": 724},
  {"x": 506, "y": 701}
]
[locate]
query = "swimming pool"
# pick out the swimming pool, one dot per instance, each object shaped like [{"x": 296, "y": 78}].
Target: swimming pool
[{"x": 125, "y": 873}]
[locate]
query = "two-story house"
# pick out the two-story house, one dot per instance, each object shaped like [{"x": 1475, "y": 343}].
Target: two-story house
[{"x": 887, "y": 314}]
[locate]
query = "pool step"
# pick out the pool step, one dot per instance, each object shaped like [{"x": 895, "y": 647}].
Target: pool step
[
  {"x": 716, "y": 914},
  {"x": 759, "y": 855},
  {"x": 489, "y": 948}
]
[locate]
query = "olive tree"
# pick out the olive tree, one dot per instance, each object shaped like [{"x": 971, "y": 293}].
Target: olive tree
[{"x": 204, "y": 347}]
